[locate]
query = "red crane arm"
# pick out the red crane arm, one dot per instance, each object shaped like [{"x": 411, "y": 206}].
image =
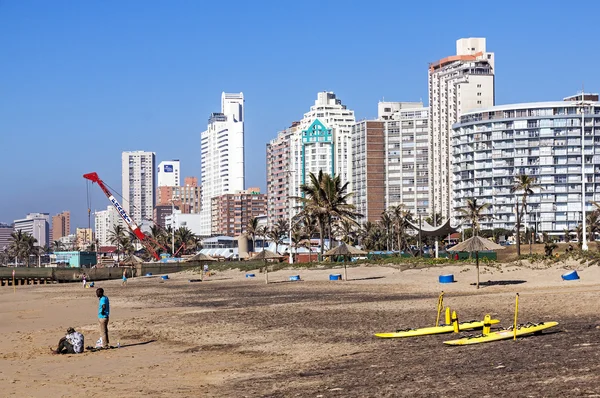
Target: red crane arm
[{"x": 93, "y": 177}]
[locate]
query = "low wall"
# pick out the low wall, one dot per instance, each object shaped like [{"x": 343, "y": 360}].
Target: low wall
[
  {"x": 34, "y": 275},
  {"x": 24, "y": 275}
]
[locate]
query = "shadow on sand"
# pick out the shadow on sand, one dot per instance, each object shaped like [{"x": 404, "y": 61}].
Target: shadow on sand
[
  {"x": 500, "y": 283},
  {"x": 134, "y": 344},
  {"x": 366, "y": 279}
]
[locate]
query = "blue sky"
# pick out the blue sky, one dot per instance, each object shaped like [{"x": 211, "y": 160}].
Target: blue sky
[{"x": 82, "y": 81}]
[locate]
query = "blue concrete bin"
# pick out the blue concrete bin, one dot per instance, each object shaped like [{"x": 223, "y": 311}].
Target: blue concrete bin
[
  {"x": 447, "y": 278},
  {"x": 570, "y": 276},
  {"x": 335, "y": 277}
]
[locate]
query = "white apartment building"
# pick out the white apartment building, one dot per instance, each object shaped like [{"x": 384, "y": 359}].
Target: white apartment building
[
  {"x": 390, "y": 157},
  {"x": 222, "y": 155},
  {"x": 457, "y": 84},
  {"x": 36, "y": 225},
  {"x": 556, "y": 143},
  {"x": 138, "y": 176},
  {"x": 323, "y": 142},
  {"x": 168, "y": 173},
  {"x": 104, "y": 223}
]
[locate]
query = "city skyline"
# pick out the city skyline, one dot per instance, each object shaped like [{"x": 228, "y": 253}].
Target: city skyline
[{"x": 99, "y": 109}]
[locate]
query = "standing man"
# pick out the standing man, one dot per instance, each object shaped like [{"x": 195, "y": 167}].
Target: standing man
[{"x": 103, "y": 313}]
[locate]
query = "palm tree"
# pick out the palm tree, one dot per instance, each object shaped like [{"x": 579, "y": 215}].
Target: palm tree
[
  {"x": 156, "y": 236},
  {"x": 22, "y": 246},
  {"x": 567, "y": 235},
  {"x": 474, "y": 213},
  {"x": 526, "y": 184},
  {"x": 117, "y": 237},
  {"x": 309, "y": 227},
  {"x": 252, "y": 230},
  {"x": 386, "y": 223},
  {"x": 326, "y": 198},
  {"x": 276, "y": 233},
  {"x": 593, "y": 224},
  {"x": 57, "y": 246},
  {"x": 345, "y": 231},
  {"x": 16, "y": 244},
  {"x": 401, "y": 218},
  {"x": 184, "y": 238}
]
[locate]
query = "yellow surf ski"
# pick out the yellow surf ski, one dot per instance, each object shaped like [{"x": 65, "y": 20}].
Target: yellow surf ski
[
  {"x": 435, "y": 329},
  {"x": 503, "y": 334}
]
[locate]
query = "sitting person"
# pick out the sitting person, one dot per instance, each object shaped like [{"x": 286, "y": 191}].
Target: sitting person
[{"x": 72, "y": 343}]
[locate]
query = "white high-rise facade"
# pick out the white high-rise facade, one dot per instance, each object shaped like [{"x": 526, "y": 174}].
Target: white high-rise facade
[
  {"x": 323, "y": 142},
  {"x": 457, "y": 84},
  {"x": 105, "y": 222},
  {"x": 168, "y": 173},
  {"x": 36, "y": 225},
  {"x": 138, "y": 176},
  {"x": 222, "y": 154}
]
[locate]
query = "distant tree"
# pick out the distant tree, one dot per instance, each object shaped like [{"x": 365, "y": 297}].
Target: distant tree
[{"x": 474, "y": 212}]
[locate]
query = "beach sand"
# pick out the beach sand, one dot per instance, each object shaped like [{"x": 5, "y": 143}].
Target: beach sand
[{"x": 232, "y": 336}]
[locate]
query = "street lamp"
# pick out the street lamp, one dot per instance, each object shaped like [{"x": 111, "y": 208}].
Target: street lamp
[
  {"x": 172, "y": 228},
  {"x": 289, "y": 173},
  {"x": 584, "y": 245}
]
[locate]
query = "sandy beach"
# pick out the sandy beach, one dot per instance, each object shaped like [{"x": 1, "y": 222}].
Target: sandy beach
[{"x": 233, "y": 336}]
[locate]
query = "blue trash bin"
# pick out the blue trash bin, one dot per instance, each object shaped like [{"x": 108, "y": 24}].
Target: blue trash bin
[
  {"x": 335, "y": 277},
  {"x": 249, "y": 275},
  {"x": 295, "y": 277},
  {"x": 165, "y": 277},
  {"x": 570, "y": 276},
  {"x": 447, "y": 278}
]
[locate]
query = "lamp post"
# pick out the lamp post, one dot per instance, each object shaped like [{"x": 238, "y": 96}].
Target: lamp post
[
  {"x": 172, "y": 229},
  {"x": 291, "y": 257},
  {"x": 584, "y": 245},
  {"x": 40, "y": 246}
]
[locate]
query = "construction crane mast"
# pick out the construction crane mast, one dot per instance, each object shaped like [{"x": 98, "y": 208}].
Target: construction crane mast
[{"x": 135, "y": 229}]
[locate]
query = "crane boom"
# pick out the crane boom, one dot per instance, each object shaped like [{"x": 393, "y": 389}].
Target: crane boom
[{"x": 135, "y": 229}]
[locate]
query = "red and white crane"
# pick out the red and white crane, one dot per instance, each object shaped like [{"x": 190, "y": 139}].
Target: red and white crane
[{"x": 135, "y": 229}]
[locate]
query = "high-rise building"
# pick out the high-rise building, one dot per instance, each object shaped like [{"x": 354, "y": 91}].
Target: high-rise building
[
  {"x": 390, "y": 158},
  {"x": 104, "y": 223},
  {"x": 457, "y": 84},
  {"x": 231, "y": 212},
  {"x": 542, "y": 140},
  {"x": 279, "y": 174},
  {"x": 323, "y": 142},
  {"x": 138, "y": 176},
  {"x": 5, "y": 236},
  {"x": 187, "y": 197},
  {"x": 37, "y": 225},
  {"x": 168, "y": 173},
  {"x": 222, "y": 155},
  {"x": 61, "y": 225}
]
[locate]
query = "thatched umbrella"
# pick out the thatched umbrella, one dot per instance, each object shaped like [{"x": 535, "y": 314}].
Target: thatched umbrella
[
  {"x": 265, "y": 255},
  {"x": 201, "y": 257},
  {"x": 475, "y": 245},
  {"x": 346, "y": 251}
]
